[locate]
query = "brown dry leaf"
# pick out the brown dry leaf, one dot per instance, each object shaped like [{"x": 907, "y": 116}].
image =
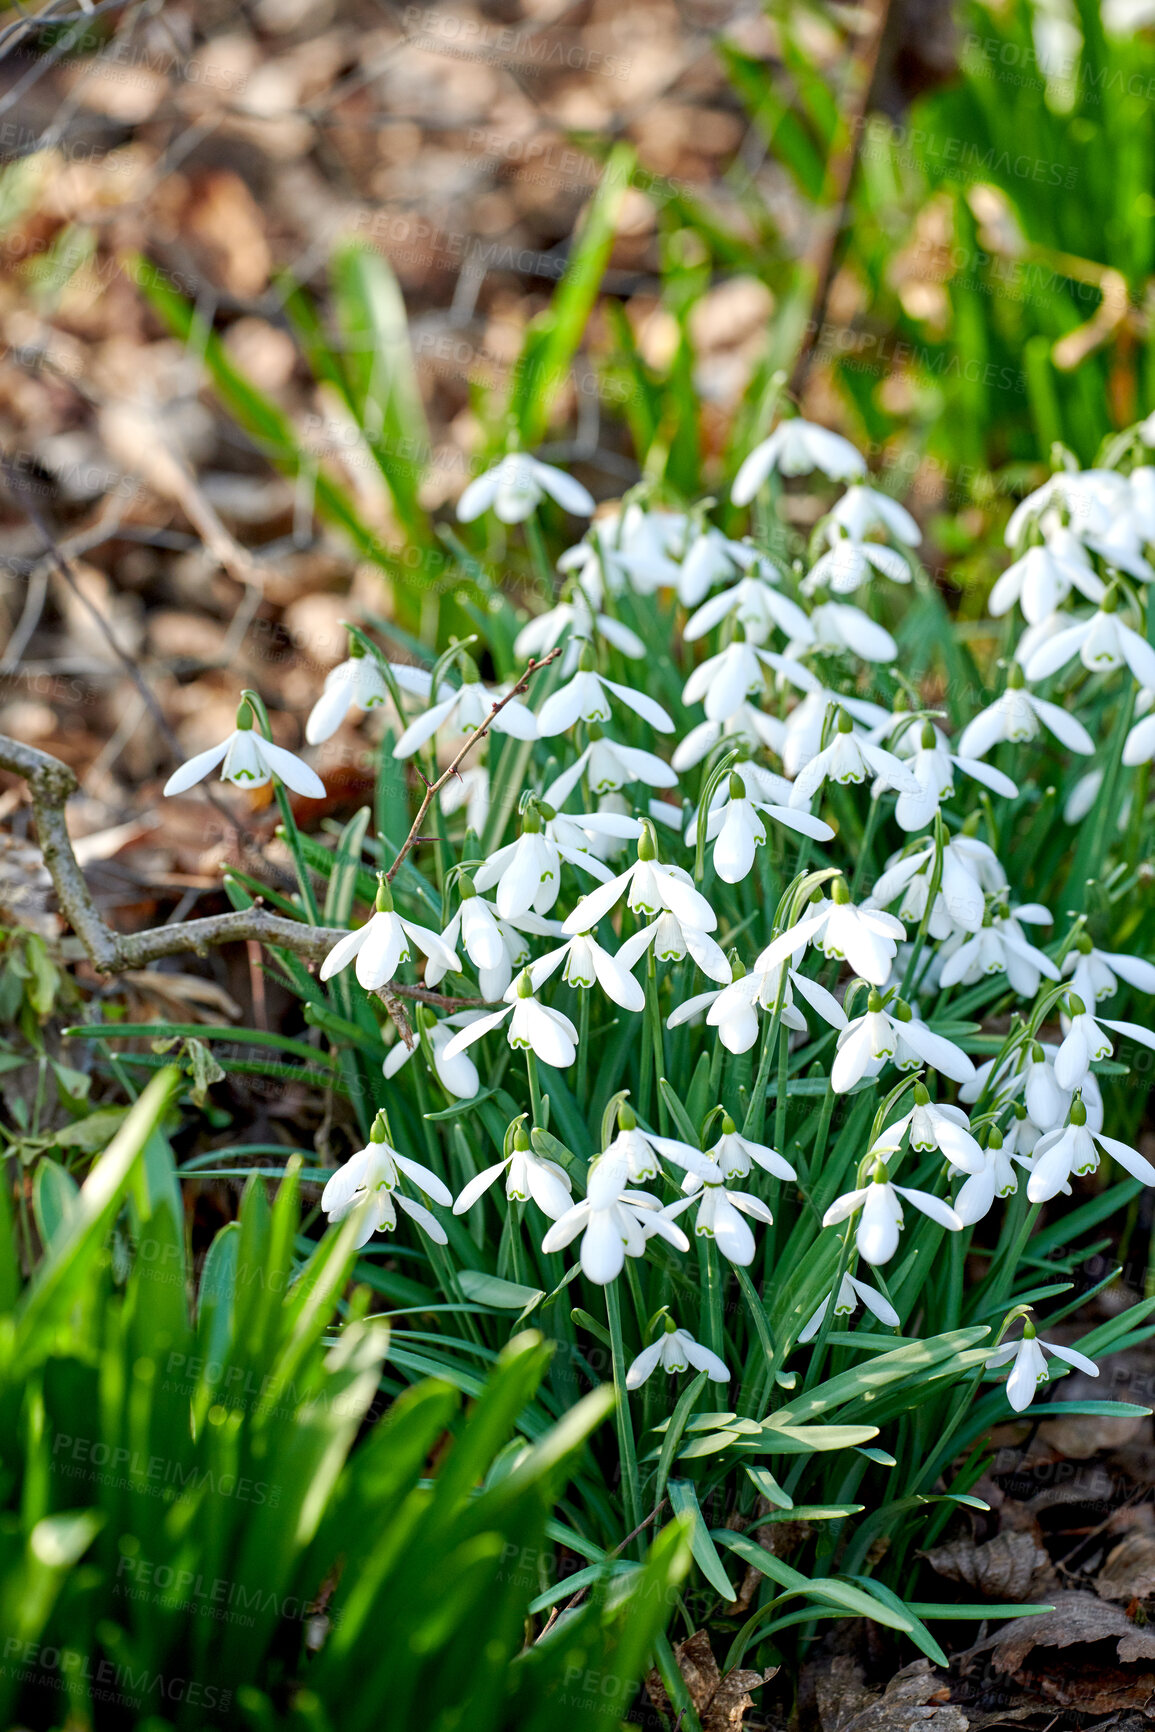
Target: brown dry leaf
[
  {"x": 720, "y": 1702},
  {"x": 1129, "y": 1570},
  {"x": 25, "y": 887},
  {"x": 1084, "y": 1654},
  {"x": 914, "y": 1697},
  {"x": 1002, "y": 1568},
  {"x": 202, "y": 1000}
]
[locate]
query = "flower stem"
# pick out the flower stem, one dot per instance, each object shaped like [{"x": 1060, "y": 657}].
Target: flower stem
[
  {"x": 654, "y": 1017},
  {"x": 583, "y": 1039},
  {"x": 630, "y": 1476},
  {"x": 536, "y": 542},
  {"x": 534, "y": 1088}
]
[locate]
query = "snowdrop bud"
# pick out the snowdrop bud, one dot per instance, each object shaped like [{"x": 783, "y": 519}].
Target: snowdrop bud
[
  {"x": 524, "y": 984},
  {"x": 384, "y": 902},
  {"x": 737, "y": 786},
  {"x": 737, "y": 966},
  {"x": 1075, "y": 1005},
  {"x": 244, "y": 716},
  {"x": 901, "y": 1012},
  {"x": 521, "y": 1140},
  {"x": 647, "y": 848},
  {"x": 839, "y": 894},
  {"x": 880, "y": 1175},
  {"x": 927, "y": 737},
  {"x": 1016, "y": 679},
  {"x": 1078, "y": 1112},
  {"x": 1083, "y": 944},
  {"x": 587, "y": 661},
  {"x": 1110, "y": 601},
  {"x": 874, "y": 1003},
  {"x": 531, "y": 823},
  {"x": 1029, "y": 1330},
  {"x": 469, "y": 673},
  {"x": 465, "y": 886},
  {"x": 844, "y": 724},
  {"x": 728, "y": 1125},
  {"x": 994, "y": 1137},
  {"x": 627, "y": 1118},
  {"x": 921, "y": 1095},
  {"x": 377, "y": 1134}
]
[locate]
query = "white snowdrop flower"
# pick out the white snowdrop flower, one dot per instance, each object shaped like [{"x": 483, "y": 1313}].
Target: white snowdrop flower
[
  {"x": 838, "y": 628},
  {"x": 652, "y": 887},
  {"x": 733, "y": 1010},
  {"x": 721, "y": 1216},
  {"x": 579, "y": 619},
  {"x": 806, "y": 724},
  {"x": 375, "y": 1173},
  {"x": 737, "y": 1156},
  {"x": 1121, "y": 546},
  {"x": 1042, "y": 579},
  {"x": 763, "y": 786},
  {"x": 467, "y": 709},
  {"x": 746, "y": 728},
  {"x": 546, "y": 1033},
  {"x": 797, "y": 448},
  {"x": 862, "y": 509},
  {"x": 587, "y": 698},
  {"x": 495, "y": 946},
  {"x": 468, "y": 790},
  {"x": 527, "y": 872},
  {"x": 1088, "y": 500},
  {"x": 1139, "y": 746},
  {"x": 1096, "y": 973},
  {"x": 1016, "y": 715},
  {"x": 249, "y": 761},
  {"x": 643, "y": 543},
  {"x": 515, "y": 487},
  {"x": 851, "y": 757},
  {"x": 894, "y": 1034},
  {"x": 710, "y": 558},
  {"x": 737, "y": 830},
  {"x": 1001, "y": 946},
  {"x": 1031, "y": 1073},
  {"x": 995, "y": 1177},
  {"x": 758, "y": 607},
  {"x": 1030, "y": 1366},
  {"x": 850, "y": 1291},
  {"x": 675, "y": 1350},
  {"x": 1074, "y": 1150},
  {"x": 585, "y": 961},
  {"x": 527, "y": 1175},
  {"x": 608, "y": 766},
  {"x": 723, "y": 682},
  {"x": 932, "y": 766},
  {"x": 848, "y": 563},
  {"x": 866, "y": 938},
  {"x": 635, "y": 1156},
  {"x": 881, "y": 1218},
  {"x": 1102, "y": 643},
  {"x": 933, "y": 1126},
  {"x": 970, "y": 869},
  {"x": 671, "y": 940},
  {"x": 1085, "y": 1043},
  {"x": 359, "y": 684},
  {"x": 382, "y": 945},
  {"x": 614, "y": 1223},
  {"x": 458, "y": 1076}
]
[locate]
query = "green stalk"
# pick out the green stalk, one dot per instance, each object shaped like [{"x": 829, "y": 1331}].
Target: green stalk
[
  {"x": 288, "y": 822},
  {"x": 534, "y": 1089},
  {"x": 536, "y": 542},
  {"x": 583, "y": 1039},
  {"x": 654, "y": 1018},
  {"x": 630, "y": 1476}
]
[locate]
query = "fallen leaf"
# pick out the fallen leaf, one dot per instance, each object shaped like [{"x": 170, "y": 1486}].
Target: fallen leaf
[
  {"x": 914, "y": 1697},
  {"x": 1002, "y": 1568},
  {"x": 1129, "y": 1570},
  {"x": 720, "y": 1702}
]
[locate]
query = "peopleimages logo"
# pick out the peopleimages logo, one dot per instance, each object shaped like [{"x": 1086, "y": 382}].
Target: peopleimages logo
[{"x": 108, "y": 1681}]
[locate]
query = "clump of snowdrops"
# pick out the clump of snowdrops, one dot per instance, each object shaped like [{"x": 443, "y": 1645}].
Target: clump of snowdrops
[{"x": 775, "y": 998}]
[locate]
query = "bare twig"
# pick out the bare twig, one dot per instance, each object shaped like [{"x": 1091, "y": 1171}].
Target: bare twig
[
  {"x": 432, "y": 788},
  {"x": 50, "y": 783},
  {"x": 840, "y": 182}
]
